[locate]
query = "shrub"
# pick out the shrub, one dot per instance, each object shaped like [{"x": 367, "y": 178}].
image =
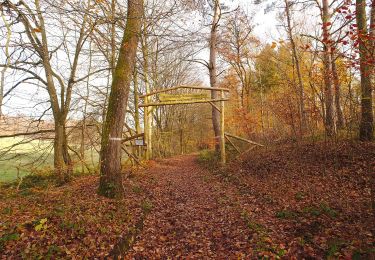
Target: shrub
[{"x": 208, "y": 158}]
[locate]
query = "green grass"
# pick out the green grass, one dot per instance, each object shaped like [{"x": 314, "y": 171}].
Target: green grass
[
  {"x": 23, "y": 158},
  {"x": 32, "y": 157},
  {"x": 208, "y": 158}
]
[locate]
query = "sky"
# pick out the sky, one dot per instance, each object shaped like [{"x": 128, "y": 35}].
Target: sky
[
  {"x": 266, "y": 23},
  {"x": 265, "y": 29}
]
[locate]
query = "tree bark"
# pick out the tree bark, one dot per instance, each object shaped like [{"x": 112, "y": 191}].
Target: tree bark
[
  {"x": 147, "y": 110},
  {"x": 110, "y": 170},
  {"x": 62, "y": 161},
  {"x": 213, "y": 72},
  {"x": 298, "y": 69},
  {"x": 366, "y": 128},
  {"x": 336, "y": 83},
  {"x": 2, "y": 80},
  {"x": 329, "y": 112},
  {"x": 136, "y": 109}
]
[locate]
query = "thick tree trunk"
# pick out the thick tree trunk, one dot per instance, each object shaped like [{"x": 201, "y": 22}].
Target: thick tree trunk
[
  {"x": 62, "y": 161},
  {"x": 366, "y": 128},
  {"x": 328, "y": 95},
  {"x": 336, "y": 82},
  {"x": 110, "y": 169},
  {"x": 213, "y": 72}
]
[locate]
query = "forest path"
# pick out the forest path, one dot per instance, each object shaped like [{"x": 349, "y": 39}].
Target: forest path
[{"x": 193, "y": 215}]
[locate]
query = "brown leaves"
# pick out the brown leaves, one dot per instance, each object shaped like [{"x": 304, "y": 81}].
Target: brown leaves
[
  {"x": 316, "y": 196},
  {"x": 37, "y": 30},
  {"x": 291, "y": 202},
  {"x": 71, "y": 221}
]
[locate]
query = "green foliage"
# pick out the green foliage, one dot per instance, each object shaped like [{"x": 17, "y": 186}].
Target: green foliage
[
  {"x": 30, "y": 184},
  {"x": 205, "y": 178},
  {"x": 286, "y": 214},
  {"x": 77, "y": 227},
  {"x": 252, "y": 225},
  {"x": 107, "y": 189},
  {"x": 37, "y": 181},
  {"x": 266, "y": 68},
  {"x": 53, "y": 250},
  {"x": 360, "y": 254},
  {"x": 58, "y": 211},
  {"x": 7, "y": 211},
  {"x": 334, "y": 247},
  {"x": 313, "y": 211},
  {"x": 326, "y": 209},
  {"x": 323, "y": 208},
  {"x": 299, "y": 195},
  {"x": 263, "y": 241},
  {"x": 146, "y": 206},
  {"x": 8, "y": 237},
  {"x": 42, "y": 225},
  {"x": 208, "y": 158},
  {"x": 137, "y": 189}
]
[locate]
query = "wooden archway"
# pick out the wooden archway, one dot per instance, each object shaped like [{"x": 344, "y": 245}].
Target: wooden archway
[{"x": 161, "y": 98}]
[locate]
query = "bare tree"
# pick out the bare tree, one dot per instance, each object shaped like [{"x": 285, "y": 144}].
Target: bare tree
[
  {"x": 7, "y": 63},
  {"x": 59, "y": 88},
  {"x": 289, "y": 28}
]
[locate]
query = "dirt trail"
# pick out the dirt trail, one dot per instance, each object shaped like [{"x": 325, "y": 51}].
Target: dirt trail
[{"x": 192, "y": 215}]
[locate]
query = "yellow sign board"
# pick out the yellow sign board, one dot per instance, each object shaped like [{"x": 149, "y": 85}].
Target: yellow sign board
[{"x": 182, "y": 97}]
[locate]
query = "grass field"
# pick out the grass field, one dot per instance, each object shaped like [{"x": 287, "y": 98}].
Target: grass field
[
  {"x": 23, "y": 158},
  {"x": 30, "y": 157}
]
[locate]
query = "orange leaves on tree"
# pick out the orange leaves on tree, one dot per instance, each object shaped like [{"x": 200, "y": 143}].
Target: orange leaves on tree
[{"x": 37, "y": 30}]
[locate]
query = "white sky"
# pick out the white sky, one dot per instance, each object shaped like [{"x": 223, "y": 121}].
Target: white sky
[
  {"x": 266, "y": 24},
  {"x": 265, "y": 29}
]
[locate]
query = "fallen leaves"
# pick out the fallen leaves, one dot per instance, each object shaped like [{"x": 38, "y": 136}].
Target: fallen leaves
[
  {"x": 66, "y": 221},
  {"x": 292, "y": 202}
]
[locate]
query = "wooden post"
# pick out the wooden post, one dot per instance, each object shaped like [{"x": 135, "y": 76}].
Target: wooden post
[
  {"x": 149, "y": 144},
  {"x": 147, "y": 130},
  {"x": 145, "y": 127},
  {"x": 222, "y": 130}
]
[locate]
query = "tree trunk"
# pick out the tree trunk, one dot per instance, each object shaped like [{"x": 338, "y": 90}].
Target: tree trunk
[
  {"x": 213, "y": 72},
  {"x": 366, "y": 128},
  {"x": 298, "y": 69},
  {"x": 62, "y": 161},
  {"x": 336, "y": 82},
  {"x": 110, "y": 169},
  {"x": 328, "y": 95},
  {"x": 2, "y": 80},
  {"x": 136, "y": 109},
  {"x": 147, "y": 110}
]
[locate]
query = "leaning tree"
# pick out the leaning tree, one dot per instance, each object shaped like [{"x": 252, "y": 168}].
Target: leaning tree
[{"x": 110, "y": 154}]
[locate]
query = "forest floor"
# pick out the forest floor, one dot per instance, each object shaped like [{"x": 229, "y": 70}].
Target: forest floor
[{"x": 307, "y": 201}]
